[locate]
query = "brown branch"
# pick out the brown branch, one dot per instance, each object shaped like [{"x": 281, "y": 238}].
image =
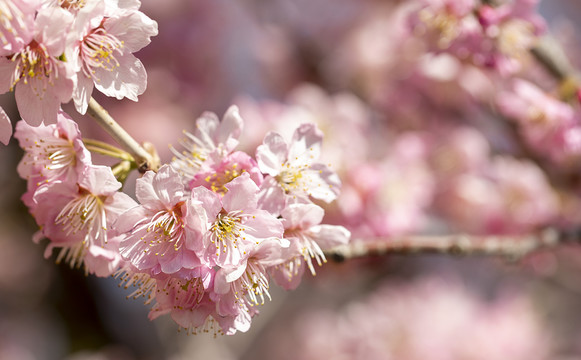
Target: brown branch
[
  {"x": 513, "y": 247},
  {"x": 551, "y": 55},
  {"x": 553, "y": 58},
  {"x": 144, "y": 160}
]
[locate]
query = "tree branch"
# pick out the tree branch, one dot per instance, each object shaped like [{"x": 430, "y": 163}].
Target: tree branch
[
  {"x": 144, "y": 160},
  {"x": 553, "y": 58},
  {"x": 513, "y": 247}
]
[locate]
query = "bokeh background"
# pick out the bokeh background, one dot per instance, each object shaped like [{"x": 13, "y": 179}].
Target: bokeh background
[{"x": 345, "y": 65}]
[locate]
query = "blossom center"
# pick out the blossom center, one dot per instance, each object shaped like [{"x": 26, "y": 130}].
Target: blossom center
[
  {"x": 86, "y": 215},
  {"x": 54, "y": 156},
  {"x": 35, "y": 65},
  {"x": 253, "y": 284},
  {"x": 165, "y": 230},
  {"x": 290, "y": 178},
  {"x": 219, "y": 179},
  {"x": 226, "y": 231},
  {"x": 99, "y": 50}
]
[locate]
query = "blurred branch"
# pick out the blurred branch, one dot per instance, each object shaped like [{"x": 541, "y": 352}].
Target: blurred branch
[
  {"x": 513, "y": 247},
  {"x": 144, "y": 160},
  {"x": 551, "y": 55}
]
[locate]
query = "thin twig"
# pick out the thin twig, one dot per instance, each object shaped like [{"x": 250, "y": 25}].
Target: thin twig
[
  {"x": 513, "y": 247},
  {"x": 116, "y": 155},
  {"x": 103, "y": 145},
  {"x": 551, "y": 55},
  {"x": 145, "y": 161},
  {"x": 553, "y": 58}
]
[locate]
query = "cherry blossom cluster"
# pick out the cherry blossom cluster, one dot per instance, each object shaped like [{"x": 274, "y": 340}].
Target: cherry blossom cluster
[
  {"x": 54, "y": 51},
  {"x": 496, "y": 37},
  {"x": 456, "y": 126},
  {"x": 548, "y": 125},
  {"x": 453, "y": 129},
  {"x": 208, "y": 230}
]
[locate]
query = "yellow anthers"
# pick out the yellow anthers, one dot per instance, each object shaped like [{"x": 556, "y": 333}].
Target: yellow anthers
[
  {"x": 98, "y": 50},
  {"x": 72, "y": 4},
  {"x": 34, "y": 62},
  {"x": 289, "y": 178},
  {"x": 86, "y": 215},
  {"x": 226, "y": 231}
]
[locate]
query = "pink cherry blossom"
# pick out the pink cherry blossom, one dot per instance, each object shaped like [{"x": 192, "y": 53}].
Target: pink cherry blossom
[
  {"x": 444, "y": 23},
  {"x": 107, "y": 37},
  {"x": 548, "y": 124},
  {"x": 195, "y": 311},
  {"x": 293, "y": 171},
  {"x": 392, "y": 196},
  {"x": 232, "y": 225},
  {"x": 238, "y": 289},
  {"x": 76, "y": 216},
  {"x": 510, "y": 30},
  {"x": 497, "y": 38},
  {"x": 210, "y": 143},
  {"x": 178, "y": 296},
  {"x": 157, "y": 231},
  {"x": 41, "y": 78},
  {"x": 228, "y": 169},
  {"x": 308, "y": 239},
  {"x": 187, "y": 299},
  {"x": 53, "y": 152}
]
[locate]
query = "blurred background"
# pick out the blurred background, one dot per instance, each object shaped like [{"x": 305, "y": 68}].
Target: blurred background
[{"x": 422, "y": 145}]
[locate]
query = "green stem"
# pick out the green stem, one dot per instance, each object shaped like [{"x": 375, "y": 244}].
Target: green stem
[
  {"x": 108, "y": 150},
  {"x": 103, "y": 145}
]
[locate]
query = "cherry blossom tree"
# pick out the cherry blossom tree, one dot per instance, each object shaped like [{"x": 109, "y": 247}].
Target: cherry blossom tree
[{"x": 353, "y": 132}]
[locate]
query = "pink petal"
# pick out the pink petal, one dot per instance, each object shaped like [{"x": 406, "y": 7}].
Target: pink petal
[
  {"x": 99, "y": 180},
  {"x": 230, "y": 128},
  {"x": 164, "y": 187},
  {"x": 51, "y": 27},
  {"x": 272, "y": 154},
  {"x": 134, "y": 28},
  {"x": 242, "y": 194},
  {"x": 328, "y": 236},
  {"x": 306, "y": 144},
  {"x": 128, "y": 80},
  {"x": 264, "y": 225},
  {"x": 82, "y": 93},
  {"x": 209, "y": 201},
  {"x": 302, "y": 216},
  {"x": 271, "y": 196}
]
